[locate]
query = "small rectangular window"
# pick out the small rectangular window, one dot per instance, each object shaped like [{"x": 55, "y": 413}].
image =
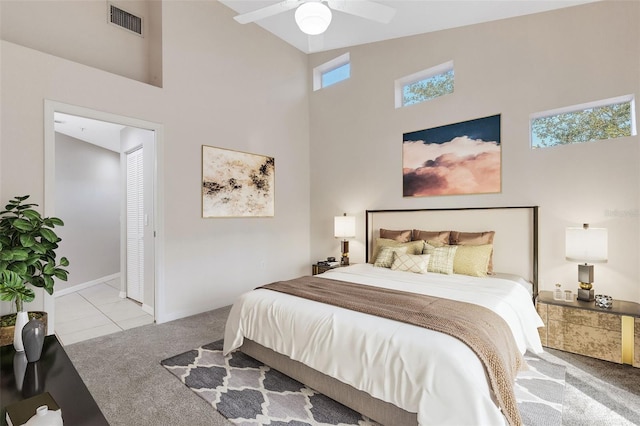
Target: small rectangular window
[
  {"x": 332, "y": 72},
  {"x": 599, "y": 120},
  {"x": 336, "y": 75},
  {"x": 425, "y": 85}
]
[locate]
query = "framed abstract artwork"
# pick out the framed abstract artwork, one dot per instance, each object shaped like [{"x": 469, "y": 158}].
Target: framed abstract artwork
[
  {"x": 237, "y": 184},
  {"x": 456, "y": 159}
]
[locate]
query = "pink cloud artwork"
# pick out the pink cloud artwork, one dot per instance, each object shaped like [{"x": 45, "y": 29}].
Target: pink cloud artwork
[{"x": 453, "y": 160}]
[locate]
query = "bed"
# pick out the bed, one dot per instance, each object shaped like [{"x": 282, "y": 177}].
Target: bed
[{"x": 393, "y": 372}]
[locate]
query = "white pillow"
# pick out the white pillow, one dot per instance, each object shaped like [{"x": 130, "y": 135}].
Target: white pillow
[{"x": 417, "y": 263}]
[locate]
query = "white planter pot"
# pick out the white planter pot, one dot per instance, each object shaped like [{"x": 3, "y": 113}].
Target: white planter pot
[{"x": 21, "y": 319}]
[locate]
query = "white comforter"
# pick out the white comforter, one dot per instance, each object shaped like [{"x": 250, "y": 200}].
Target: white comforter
[{"x": 419, "y": 370}]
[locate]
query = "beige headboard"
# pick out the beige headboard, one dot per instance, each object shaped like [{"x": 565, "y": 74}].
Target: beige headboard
[{"x": 515, "y": 244}]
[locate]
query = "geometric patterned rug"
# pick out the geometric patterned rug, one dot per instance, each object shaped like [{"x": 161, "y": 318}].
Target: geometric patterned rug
[
  {"x": 540, "y": 391},
  {"x": 247, "y": 392}
]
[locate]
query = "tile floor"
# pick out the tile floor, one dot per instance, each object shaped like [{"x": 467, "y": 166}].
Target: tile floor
[{"x": 96, "y": 311}]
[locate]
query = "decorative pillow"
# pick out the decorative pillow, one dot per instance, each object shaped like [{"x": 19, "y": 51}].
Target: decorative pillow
[
  {"x": 399, "y": 236},
  {"x": 418, "y": 263},
  {"x": 413, "y": 247},
  {"x": 435, "y": 243},
  {"x": 441, "y": 258},
  {"x": 471, "y": 238},
  {"x": 472, "y": 260},
  {"x": 385, "y": 257},
  {"x": 474, "y": 239},
  {"x": 441, "y": 237}
]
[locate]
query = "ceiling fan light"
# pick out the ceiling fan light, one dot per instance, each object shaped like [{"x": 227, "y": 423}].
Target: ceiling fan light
[{"x": 313, "y": 17}]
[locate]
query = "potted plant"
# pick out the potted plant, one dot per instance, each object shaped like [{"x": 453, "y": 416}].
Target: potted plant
[{"x": 27, "y": 256}]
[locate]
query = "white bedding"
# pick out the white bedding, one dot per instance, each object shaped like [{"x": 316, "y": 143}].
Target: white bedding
[{"x": 418, "y": 370}]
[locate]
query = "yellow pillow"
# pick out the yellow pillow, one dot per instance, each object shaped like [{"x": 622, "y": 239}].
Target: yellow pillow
[
  {"x": 441, "y": 258},
  {"x": 413, "y": 247},
  {"x": 472, "y": 260},
  {"x": 385, "y": 257}
]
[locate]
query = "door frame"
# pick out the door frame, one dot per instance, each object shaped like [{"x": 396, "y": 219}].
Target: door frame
[{"x": 50, "y": 108}]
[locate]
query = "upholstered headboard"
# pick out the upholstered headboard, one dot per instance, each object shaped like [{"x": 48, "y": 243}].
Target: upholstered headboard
[{"x": 515, "y": 244}]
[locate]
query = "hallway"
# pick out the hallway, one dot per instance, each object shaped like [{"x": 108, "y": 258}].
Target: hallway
[{"x": 96, "y": 311}]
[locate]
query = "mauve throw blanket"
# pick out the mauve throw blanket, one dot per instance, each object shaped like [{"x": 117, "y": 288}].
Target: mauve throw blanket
[{"x": 484, "y": 331}]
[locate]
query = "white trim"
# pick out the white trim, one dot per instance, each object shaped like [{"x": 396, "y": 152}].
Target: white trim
[
  {"x": 148, "y": 309},
  {"x": 84, "y": 285},
  {"x": 582, "y": 107},
  {"x": 326, "y": 67},
  {"x": 50, "y": 107},
  {"x": 172, "y": 316},
  {"x": 400, "y": 83}
]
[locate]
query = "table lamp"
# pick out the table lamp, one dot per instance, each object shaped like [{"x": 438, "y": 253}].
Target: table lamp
[
  {"x": 586, "y": 245},
  {"x": 344, "y": 227}
]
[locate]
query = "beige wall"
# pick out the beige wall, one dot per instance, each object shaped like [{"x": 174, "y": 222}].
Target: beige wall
[
  {"x": 80, "y": 31},
  {"x": 225, "y": 85},
  {"x": 239, "y": 87},
  {"x": 512, "y": 67}
]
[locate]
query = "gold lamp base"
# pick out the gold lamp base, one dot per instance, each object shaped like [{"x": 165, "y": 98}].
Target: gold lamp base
[{"x": 586, "y": 286}]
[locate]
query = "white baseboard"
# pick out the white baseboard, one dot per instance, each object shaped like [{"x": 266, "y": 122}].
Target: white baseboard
[
  {"x": 69, "y": 290},
  {"x": 148, "y": 309},
  {"x": 172, "y": 316},
  {"x": 122, "y": 295}
]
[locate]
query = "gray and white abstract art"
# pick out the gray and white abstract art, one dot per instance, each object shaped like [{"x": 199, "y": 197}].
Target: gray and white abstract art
[{"x": 237, "y": 184}]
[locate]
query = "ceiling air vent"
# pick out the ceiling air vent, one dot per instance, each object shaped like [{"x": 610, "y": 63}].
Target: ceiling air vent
[{"x": 125, "y": 19}]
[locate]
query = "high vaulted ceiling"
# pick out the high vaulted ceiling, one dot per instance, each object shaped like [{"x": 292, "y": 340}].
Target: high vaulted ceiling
[{"x": 412, "y": 17}]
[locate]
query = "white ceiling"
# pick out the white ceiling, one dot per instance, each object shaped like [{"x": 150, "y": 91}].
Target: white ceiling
[
  {"x": 412, "y": 17},
  {"x": 101, "y": 133}
]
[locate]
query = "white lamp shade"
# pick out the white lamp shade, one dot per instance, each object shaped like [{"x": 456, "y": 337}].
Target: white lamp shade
[
  {"x": 344, "y": 226},
  {"x": 586, "y": 244},
  {"x": 313, "y": 18}
]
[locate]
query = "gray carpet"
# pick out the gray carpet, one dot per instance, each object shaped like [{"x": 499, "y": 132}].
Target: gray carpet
[{"x": 124, "y": 374}]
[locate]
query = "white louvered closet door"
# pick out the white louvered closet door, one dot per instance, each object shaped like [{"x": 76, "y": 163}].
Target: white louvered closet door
[{"x": 135, "y": 225}]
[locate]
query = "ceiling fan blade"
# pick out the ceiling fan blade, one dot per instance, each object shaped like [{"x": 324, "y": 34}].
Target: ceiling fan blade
[
  {"x": 365, "y": 9},
  {"x": 268, "y": 11}
]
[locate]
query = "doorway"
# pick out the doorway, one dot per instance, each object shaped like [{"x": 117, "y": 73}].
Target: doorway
[{"x": 139, "y": 137}]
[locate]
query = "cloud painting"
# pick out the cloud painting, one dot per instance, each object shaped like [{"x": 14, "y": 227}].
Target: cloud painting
[
  {"x": 236, "y": 184},
  {"x": 461, "y": 158}
]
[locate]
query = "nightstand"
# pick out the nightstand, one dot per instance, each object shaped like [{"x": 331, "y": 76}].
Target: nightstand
[
  {"x": 583, "y": 328},
  {"x": 319, "y": 269}
]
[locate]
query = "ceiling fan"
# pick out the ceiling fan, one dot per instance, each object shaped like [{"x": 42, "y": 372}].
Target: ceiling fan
[{"x": 314, "y": 16}]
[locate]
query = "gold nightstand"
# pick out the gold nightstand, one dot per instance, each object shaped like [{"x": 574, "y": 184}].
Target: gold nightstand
[{"x": 582, "y": 328}]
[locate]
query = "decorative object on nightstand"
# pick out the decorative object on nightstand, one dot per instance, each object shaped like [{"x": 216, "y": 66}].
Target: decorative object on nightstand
[
  {"x": 568, "y": 296},
  {"x": 344, "y": 227},
  {"x": 558, "y": 294},
  {"x": 603, "y": 301},
  {"x": 586, "y": 245}
]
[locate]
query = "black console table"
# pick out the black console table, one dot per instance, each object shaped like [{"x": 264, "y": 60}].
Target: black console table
[{"x": 53, "y": 373}]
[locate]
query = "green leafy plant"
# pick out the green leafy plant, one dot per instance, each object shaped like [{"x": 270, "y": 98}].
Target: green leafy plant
[{"x": 28, "y": 252}]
